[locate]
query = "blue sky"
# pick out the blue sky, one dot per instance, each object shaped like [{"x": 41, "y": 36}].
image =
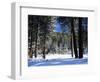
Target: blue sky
[{"x": 58, "y": 28}]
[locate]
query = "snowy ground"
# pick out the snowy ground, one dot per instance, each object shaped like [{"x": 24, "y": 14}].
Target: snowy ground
[{"x": 57, "y": 59}]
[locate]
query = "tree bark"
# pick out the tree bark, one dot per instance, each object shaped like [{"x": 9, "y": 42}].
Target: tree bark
[
  {"x": 36, "y": 37},
  {"x": 71, "y": 43},
  {"x": 80, "y": 39},
  {"x": 30, "y": 53},
  {"x": 74, "y": 39},
  {"x": 44, "y": 46}
]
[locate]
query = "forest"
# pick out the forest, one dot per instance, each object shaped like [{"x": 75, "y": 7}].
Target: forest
[{"x": 57, "y": 35}]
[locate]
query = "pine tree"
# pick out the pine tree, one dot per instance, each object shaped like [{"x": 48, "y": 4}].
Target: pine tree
[
  {"x": 80, "y": 39},
  {"x": 74, "y": 38}
]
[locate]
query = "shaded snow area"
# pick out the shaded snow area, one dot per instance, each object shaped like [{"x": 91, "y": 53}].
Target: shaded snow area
[{"x": 57, "y": 59}]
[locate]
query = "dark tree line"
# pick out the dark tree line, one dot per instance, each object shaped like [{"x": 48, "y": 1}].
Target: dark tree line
[
  {"x": 38, "y": 29},
  {"x": 75, "y": 29}
]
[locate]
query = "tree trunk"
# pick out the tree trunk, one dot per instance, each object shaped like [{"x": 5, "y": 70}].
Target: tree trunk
[
  {"x": 80, "y": 39},
  {"x": 30, "y": 51},
  {"x": 36, "y": 37},
  {"x": 44, "y": 46},
  {"x": 74, "y": 39},
  {"x": 71, "y": 43}
]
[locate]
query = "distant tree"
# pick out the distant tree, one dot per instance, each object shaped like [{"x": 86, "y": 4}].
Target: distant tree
[
  {"x": 64, "y": 24},
  {"x": 68, "y": 25},
  {"x": 45, "y": 22},
  {"x": 31, "y": 35}
]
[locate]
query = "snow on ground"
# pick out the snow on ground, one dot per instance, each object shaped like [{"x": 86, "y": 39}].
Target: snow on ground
[{"x": 57, "y": 59}]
